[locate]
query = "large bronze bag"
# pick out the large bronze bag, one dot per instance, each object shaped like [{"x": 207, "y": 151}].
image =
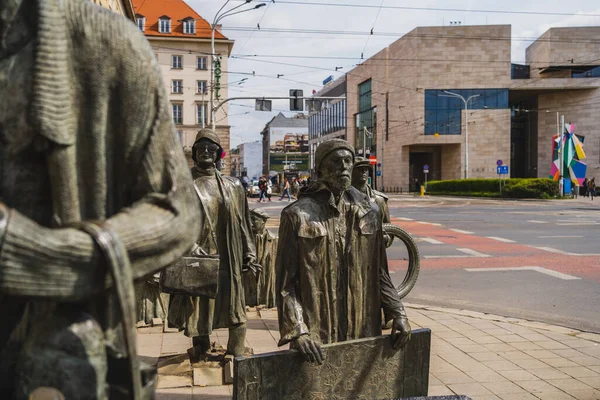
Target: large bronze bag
[{"x": 192, "y": 276}]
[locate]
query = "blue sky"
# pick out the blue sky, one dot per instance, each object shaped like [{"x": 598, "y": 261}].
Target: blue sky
[{"x": 308, "y": 73}]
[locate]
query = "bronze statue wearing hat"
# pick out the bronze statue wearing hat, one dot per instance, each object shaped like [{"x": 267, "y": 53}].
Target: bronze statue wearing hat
[
  {"x": 360, "y": 179},
  {"x": 262, "y": 292},
  {"x": 331, "y": 268},
  {"x": 225, "y": 230}
]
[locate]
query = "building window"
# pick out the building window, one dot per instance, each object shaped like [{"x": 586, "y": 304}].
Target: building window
[
  {"x": 201, "y": 113},
  {"x": 443, "y": 115},
  {"x": 141, "y": 22},
  {"x": 180, "y": 135},
  {"x": 201, "y": 87},
  {"x": 586, "y": 72},
  {"x": 177, "y": 86},
  {"x": 177, "y": 62},
  {"x": 189, "y": 26},
  {"x": 364, "y": 96},
  {"x": 177, "y": 113},
  {"x": 202, "y": 63},
  {"x": 164, "y": 25}
]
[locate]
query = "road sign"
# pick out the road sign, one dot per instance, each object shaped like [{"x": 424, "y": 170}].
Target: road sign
[
  {"x": 502, "y": 169},
  {"x": 426, "y": 168},
  {"x": 378, "y": 165},
  {"x": 263, "y": 105},
  {"x": 372, "y": 160},
  {"x": 499, "y": 162},
  {"x": 378, "y": 173}
]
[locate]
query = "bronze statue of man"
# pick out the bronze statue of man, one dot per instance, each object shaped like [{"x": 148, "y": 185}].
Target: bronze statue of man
[
  {"x": 224, "y": 208},
  {"x": 266, "y": 250},
  {"x": 92, "y": 182},
  {"x": 332, "y": 272},
  {"x": 360, "y": 179}
]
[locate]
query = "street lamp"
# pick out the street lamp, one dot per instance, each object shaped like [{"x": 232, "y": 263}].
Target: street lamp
[
  {"x": 218, "y": 17},
  {"x": 466, "y": 101}
]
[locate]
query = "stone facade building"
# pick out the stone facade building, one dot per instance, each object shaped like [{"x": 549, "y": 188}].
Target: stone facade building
[
  {"x": 181, "y": 39},
  {"x": 400, "y": 97}
]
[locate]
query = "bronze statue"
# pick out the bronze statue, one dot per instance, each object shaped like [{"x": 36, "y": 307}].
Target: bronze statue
[
  {"x": 360, "y": 178},
  {"x": 266, "y": 250},
  {"x": 224, "y": 209},
  {"x": 94, "y": 194},
  {"x": 332, "y": 273}
]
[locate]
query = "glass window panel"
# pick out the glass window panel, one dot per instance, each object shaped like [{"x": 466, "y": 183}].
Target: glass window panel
[
  {"x": 442, "y": 122},
  {"x": 442, "y": 101},
  {"x": 430, "y": 122},
  {"x": 454, "y": 122},
  {"x": 502, "y": 98},
  {"x": 454, "y": 103},
  {"x": 491, "y": 98},
  {"x": 430, "y": 99}
]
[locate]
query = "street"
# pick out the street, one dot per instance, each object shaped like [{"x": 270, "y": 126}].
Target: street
[{"x": 536, "y": 260}]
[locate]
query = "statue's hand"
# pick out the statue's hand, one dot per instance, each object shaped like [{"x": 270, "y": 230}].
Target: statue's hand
[
  {"x": 309, "y": 348},
  {"x": 388, "y": 239},
  {"x": 253, "y": 267},
  {"x": 400, "y": 332}
]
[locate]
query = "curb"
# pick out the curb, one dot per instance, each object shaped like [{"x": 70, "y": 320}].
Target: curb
[{"x": 517, "y": 321}]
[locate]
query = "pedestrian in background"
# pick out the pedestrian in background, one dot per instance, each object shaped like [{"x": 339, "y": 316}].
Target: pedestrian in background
[
  {"x": 592, "y": 188},
  {"x": 286, "y": 190},
  {"x": 584, "y": 187}
]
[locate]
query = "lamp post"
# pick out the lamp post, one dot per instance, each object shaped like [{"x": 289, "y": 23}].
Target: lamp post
[
  {"x": 466, "y": 101},
  {"x": 218, "y": 17}
]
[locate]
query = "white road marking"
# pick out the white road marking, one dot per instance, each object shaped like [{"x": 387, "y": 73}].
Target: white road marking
[
  {"x": 461, "y": 231},
  {"x": 428, "y": 223},
  {"x": 430, "y": 240},
  {"x": 406, "y": 219},
  {"x": 541, "y": 270},
  {"x": 450, "y": 256},
  {"x": 587, "y": 223},
  {"x": 533, "y": 221},
  {"x": 549, "y": 249},
  {"x": 500, "y": 239},
  {"x": 472, "y": 252},
  {"x": 558, "y": 237}
]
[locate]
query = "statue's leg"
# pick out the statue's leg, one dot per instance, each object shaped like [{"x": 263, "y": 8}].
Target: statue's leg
[
  {"x": 201, "y": 345},
  {"x": 236, "y": 345}
]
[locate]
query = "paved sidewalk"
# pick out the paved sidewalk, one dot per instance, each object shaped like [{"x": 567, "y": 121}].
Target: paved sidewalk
[{"x": 480, "y": 355}]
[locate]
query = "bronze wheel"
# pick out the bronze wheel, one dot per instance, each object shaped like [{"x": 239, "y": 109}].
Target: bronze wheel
[{"x": 413, "y": 258}]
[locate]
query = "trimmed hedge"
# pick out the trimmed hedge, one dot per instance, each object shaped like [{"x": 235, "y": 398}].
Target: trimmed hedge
[{"x": 520, "y": 188}]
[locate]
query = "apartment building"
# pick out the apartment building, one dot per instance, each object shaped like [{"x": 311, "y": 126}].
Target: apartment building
[
  {"x": 181, "y": 40},
  {"x": 403, "y": 104},
  {"x": 285, "y": 145}
]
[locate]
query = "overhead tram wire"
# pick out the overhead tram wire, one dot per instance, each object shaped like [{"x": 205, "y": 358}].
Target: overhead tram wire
[
  {"x": 326, "y": 4},
  {"x": 372, "y": 28},
  {"x": 257, "y": 26}
]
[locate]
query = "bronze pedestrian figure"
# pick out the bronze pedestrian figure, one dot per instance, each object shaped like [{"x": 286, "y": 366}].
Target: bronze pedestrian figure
[
  {"x": 224, "y": 208},
  {"x": 94, "y": 194},
  {"x": 332, "y": 272},
  {"x": 266, "y": 250}
]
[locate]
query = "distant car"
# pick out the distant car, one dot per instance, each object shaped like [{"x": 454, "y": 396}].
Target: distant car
[{"x": 253, "y": 189}]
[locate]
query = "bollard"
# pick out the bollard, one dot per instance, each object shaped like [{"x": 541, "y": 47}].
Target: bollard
[{"x": 422, "y": 191}]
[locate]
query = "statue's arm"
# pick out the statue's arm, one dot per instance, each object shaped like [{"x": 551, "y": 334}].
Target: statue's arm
[
  {"x": 247, "y": 236},
  {"x": 289, "y": 302},
  {"x": 65, "y": 263},
  {"x": 390, "y": 301}
]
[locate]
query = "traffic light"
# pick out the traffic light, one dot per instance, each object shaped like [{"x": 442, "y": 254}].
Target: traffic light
[{"x": 296, "y": 104}]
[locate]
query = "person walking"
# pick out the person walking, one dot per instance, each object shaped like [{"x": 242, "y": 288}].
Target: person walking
[
  {"x": 592, "y": 188},
  {"x": 584, "y": 187},
  {"x": 263, "y": 189},
  {"x": 286, "y": 190},
  {"x": 269, "y": 190}
]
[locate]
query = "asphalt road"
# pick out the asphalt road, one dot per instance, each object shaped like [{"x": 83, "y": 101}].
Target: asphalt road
[{"x": 536, "y": 260}]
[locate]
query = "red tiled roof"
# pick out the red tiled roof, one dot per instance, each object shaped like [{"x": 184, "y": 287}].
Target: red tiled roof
[{"x": 177, "y": 10}]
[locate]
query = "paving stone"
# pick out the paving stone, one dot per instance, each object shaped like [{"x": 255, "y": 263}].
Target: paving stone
[
  {"x": 536, "y": 386},
  {"x": 526, "y": 346},
  {"x": 208, "y": 376},
  {"x": 549, "y": 373},
  {"x": 454, "y": 377},
  {"x": 551, "y": 345},
  {"x": 469, "y": 389},
  {"x": 439, "y": 390},
  {"x": 504, "y": 387},
  {"x": 595, "y": 368},
  {"x": 586, "y": 361},
  {"x": 515, "y": 355},
  {"x": 520, "y": 396},
  {"x": 530, "y": 364},
  {"x": 487, "y": 356},
  {"x": 472, "y": 348},
  {"x": 503, "y": 365},
  {"x": 510, "y": 338},
  {"x": 592, "y": 382},
  {"x": 568, "y": 353},
  {"x": 157, "y": 322},
  {"x": 590, "y": 394},
  {"x": 516, "y": 375},
  {"x": 487, "y": 339},
  {"x": 499, "y": 347},
  {"x": 212, "y": 392},
  {"x": 579, "y": 372},
  {"x": 560, "y": 362},
  {"x": 569, "y": 384},
  {"x": 228, "y": 370},
  {"x": 554, "y": 395},
  {"x": 486, "y": 375},
  {"x": 173, "y": 381}
]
